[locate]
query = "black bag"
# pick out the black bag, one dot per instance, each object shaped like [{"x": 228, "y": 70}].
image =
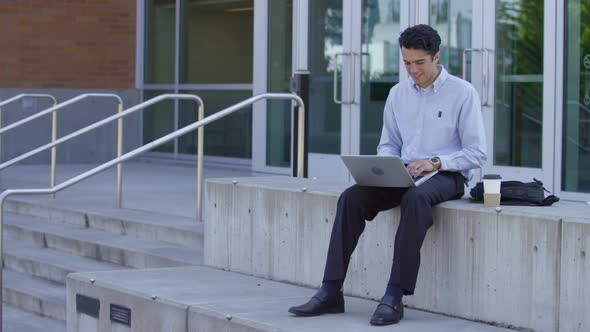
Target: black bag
[{"x": 519, "y": 193}]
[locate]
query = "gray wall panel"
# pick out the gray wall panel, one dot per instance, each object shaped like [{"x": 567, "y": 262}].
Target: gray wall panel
[{"x": 94, "y": 147}]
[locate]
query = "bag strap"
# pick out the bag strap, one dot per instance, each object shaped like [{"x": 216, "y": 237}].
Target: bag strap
[
  {"x": 549, "y": 200},
  {"x": 541, "y": 184}
]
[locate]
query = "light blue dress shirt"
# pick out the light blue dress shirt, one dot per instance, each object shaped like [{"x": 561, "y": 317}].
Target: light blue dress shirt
[{"x": 443, "y": 120}]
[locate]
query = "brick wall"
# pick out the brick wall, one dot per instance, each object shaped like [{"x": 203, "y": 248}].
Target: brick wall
[{"x": 67, "y": 43}]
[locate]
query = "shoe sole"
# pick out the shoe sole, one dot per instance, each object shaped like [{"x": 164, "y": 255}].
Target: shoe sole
[
  {"x": 331, "y": 311},
  {"x": 383, "y": 323}
]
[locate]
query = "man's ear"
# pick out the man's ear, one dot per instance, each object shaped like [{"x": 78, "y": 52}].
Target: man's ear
[{"x": 436, "y": 57}]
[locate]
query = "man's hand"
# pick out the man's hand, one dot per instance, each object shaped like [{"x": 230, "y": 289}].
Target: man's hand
[{"x": 419, "y": 167}]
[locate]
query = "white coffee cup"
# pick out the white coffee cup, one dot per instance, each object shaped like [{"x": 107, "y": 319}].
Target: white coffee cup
[
  {"x": 492, "y": 183},
  {"x": 491, "y": 190}
]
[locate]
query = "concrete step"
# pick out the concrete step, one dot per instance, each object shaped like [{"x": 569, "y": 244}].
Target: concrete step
[
  {"x": 49, "y": 263},
  {"x": 17, "y": 320},
  {"x": 39, "y": 296},
  {"x": 145, "y": 225},
  {"x": 198, "y": 298},
  {"x": 98, "y": 244}
]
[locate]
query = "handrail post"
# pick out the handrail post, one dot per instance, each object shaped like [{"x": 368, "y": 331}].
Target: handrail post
[
  {"x": 200, "y": 134},
  {"x": 119, "y": 153},
  {"x": 1, "y": 149},
  {"x": 300, "y": 140},
  {"x": 53, "y": 149},
  {"x": 2, "y": 197}
]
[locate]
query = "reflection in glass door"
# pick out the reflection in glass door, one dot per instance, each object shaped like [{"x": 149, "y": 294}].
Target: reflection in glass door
[
  {"x": 453, "y": 21},
  {"x": 326, "y": 57},
  {"x": 519, "y": 143},
  {"x": 354, "y": 61},
  {"x": 502, "y": 45},
  {"x": 575, "y": 162},
  {"x": 379, "y": 66},
  {"x": 518, "y": 111}
]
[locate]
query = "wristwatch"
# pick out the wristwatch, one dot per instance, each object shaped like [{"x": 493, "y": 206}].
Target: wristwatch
[{"x": 435, "y": 161}]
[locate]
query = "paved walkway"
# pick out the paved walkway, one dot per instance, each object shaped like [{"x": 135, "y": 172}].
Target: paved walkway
[{"x": 148, "y": 186}]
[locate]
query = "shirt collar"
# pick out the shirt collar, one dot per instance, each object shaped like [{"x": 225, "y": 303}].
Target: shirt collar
[{"x": 438, "y": 82}]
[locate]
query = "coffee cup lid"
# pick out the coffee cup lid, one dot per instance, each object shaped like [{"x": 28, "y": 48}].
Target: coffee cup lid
[{"x": 492, "y": 177}]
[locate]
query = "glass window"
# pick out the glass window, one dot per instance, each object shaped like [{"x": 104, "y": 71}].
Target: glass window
[
  {"x": 228, "y": 59},
  {"x": 230, "y": 136},
  {"x": 518, "y": 105},
  {"x": 380, "y": 66},
  {"x": 160, "y": 20},
  {"x": 453, "y": 21},
  {"x": 278, "y": 115},
  {"x": 576, "y": 115},
  {"x": 217, "y": 41},
  {"x": 324, "y": 42},
  {"x": 158, "y": 120}
]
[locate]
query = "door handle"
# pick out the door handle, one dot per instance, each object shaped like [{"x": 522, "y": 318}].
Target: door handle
[
  {"x": 485, "y": 74},
  {"x": 360, "y": 56},
  {"x": 336, "y": 100},
  {"x": 486, "y": 77}
]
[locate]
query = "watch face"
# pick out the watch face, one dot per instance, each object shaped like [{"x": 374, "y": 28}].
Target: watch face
[{"x": 435, "y": 162}]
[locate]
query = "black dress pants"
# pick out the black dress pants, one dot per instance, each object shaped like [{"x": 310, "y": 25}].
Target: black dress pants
[{"x": 357, "y": 204}]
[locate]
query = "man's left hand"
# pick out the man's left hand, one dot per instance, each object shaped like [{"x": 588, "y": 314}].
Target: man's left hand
[{"x": 419, "y": 167}]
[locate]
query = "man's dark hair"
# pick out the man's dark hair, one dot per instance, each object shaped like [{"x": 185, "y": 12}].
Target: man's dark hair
[{"x": 420, "y": 37}]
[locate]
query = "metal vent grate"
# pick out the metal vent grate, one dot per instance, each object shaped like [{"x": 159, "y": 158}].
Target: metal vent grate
[{"x": 121, "y": 314}]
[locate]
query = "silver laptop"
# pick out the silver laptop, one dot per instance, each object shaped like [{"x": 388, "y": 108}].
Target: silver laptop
[{"x": 382, "y": 171}]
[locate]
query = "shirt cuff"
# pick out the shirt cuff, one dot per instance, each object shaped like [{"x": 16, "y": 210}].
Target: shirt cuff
[{"x": 445, "y": 161}]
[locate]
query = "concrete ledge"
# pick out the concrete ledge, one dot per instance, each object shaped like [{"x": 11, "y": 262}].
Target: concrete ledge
[
  {"x": 507, "y": 268},
  {"x": 202, "y": 299},
  {"x": 575, "y": 275}
]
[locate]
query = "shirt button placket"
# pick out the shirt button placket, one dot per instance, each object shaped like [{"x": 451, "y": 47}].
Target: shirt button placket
[{"x": 420, "y": 127}]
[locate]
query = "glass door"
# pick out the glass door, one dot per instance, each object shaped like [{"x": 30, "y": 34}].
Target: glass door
[
  {"x": 353, "y": 61},
  {"x": 329, "y": 49},
  {"x": 501, "y": 48},
  {"x": 573, "y": 175},
  {"x": 378, "y": 57},
  {"x": 462, "y": 51},
  {"x": 518, "y": 117}
]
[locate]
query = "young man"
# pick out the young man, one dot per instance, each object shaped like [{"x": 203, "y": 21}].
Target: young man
[{"x": 432, "y": 121}]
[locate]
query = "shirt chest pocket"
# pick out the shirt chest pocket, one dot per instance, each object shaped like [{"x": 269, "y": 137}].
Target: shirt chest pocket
[
  {"x": 440, "y": 131},
  {"x": 441, "y": 120}
]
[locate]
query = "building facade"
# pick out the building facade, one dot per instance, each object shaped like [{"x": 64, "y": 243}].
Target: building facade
[{"x": 528, "y": 59}]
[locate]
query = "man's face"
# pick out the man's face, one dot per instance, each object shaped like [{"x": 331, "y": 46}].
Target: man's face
[{"x": 421, "y": 66}]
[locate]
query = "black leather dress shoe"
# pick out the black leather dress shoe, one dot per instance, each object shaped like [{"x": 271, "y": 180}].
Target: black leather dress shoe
[
  {"x": 388, "y": 311},
  {"x": 320, "y": 303}
]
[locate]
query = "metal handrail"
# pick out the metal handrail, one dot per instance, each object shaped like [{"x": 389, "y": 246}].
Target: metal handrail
[
  {"x": 157, "y": 142},
  {"x": 97, "y": 124},
  {"x": 54, "y": 123},
  {"x": 197, "y": 125},
  {"x": 23, "y": 95}
]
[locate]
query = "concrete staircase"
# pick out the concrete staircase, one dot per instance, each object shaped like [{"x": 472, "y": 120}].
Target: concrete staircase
[
  {"x": 43, "y": 242},
  {"x": 16, "y": 320}
]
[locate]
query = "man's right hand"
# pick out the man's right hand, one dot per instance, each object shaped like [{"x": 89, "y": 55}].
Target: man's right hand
[{"x": 419, "y": 166}]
